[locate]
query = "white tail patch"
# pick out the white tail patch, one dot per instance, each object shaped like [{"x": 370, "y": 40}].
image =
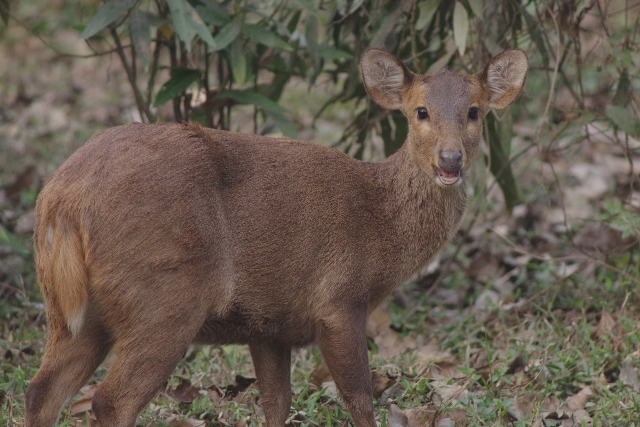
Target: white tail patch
[{"x": 75, "y": 321}]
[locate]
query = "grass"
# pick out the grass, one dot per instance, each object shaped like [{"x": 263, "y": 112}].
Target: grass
[{"x": 508, "y": 365}]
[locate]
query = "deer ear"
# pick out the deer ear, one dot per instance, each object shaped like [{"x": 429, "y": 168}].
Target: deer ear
[
  {"x": 384, "y": 77},
  {"x": 504, "y": 75}
]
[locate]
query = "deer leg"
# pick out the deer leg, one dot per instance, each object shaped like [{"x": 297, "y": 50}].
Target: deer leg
[
  {"x": 272, "y": 363},
  {"x": 343, "y": 344},
  {"x": 67, "y": 365},
  {"x": 146, "y": 357}
]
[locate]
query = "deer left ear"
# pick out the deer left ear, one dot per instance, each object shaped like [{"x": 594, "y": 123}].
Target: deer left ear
[{"x": 504, "y": 75}]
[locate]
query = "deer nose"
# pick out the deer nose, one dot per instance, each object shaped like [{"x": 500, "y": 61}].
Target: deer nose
[{"x": 450, "y": 161}]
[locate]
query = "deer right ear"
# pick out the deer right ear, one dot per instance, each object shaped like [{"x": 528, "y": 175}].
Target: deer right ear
[
  {"x": 384, "y": 76},
  {"x": 504, "y": 75}
]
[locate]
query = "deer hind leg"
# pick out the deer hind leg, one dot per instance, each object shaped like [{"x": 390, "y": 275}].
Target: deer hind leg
[
  {"x": 156, "y": 336},
  {"x": 67, "y": 365}
]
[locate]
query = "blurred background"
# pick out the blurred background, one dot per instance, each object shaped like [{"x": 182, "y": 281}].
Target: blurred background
[{"x": 547, "y": 252}]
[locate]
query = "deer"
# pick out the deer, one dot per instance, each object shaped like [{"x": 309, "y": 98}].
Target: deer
[{"x": 153, "y": 237}]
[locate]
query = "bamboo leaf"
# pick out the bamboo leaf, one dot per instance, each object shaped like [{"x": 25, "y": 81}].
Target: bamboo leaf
[
  {"x": 226, "y": 36},
  {"x": 182, "y": 78},
  {"x": 250, "y": 97},
  {"x": 141, "y": 35},
  {"x": 426, "y": 11},
  {"x": 460, "y": 27},
  {"x": 261, "y": 35},
  {"x": 181, "y": 25},
  {"x": 213, "y": 13},
  {"x": 331, "y": 53},
  {"x": 4, "y": 11},
  {"x": 238, "y": 62},
  {"x": 500, "y": 165},
  {"x": 477, "y": 7},
  {"x": 107, "y": 14}
]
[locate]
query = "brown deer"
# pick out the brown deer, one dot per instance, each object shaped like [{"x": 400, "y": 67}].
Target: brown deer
[{"x": 152, "y": 237}]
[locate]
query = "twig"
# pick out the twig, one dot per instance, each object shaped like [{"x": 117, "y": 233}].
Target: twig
[
  {"x": 142, "y": 107},
  {"x": 548, "y": 258}
]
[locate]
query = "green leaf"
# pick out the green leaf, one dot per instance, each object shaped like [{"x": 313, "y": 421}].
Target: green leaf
[
  {"x": 261, "y": 35},
  {"x": 311, "y": 34},
  {"x": 477, "y": 7},
  {"x": 500, "y": 165},
  {"x": 248, "y": 96},
  {"x": 535, "y": 34},
  {"x": 204, "y": 34},
  {"x": 12, "y": 241},
  {"x": 182, "y": 78},
  {"x": 108, "y": 13},
  {"x": 180, "y": 20},
  {"x": 226, "y": 36},
  {"x": 426, "y": 11},
  {"x": 624, "y": 90},
  {"x": 331, "y": 53},
  {"x": 4, "y": 11},
  {"x": 213, "y": 13},
  {"x": 460, "y": 27},
  {"x": 141, "y": 35},
  {"x": 286, "y": 126},
  {"x": 238, "y": 62},
  {"x": 625, "y": 119}
]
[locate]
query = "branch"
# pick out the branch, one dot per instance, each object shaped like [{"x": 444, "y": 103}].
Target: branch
[{"x": 142, "y": 106}]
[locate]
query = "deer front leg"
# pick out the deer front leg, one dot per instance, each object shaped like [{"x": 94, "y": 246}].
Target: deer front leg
[
  {"x": 343, "y": 344},
  {"x": 272, "y": 363}
]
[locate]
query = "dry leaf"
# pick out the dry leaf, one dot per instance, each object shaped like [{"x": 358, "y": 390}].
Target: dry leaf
[
  {"x": 183, "y": 392},
  {"x": 380, "y": 383},
  {"x": 83, "y": 404},
  {"x": 430, "y": 353},
  {"x": 428, "y": 416},
  {"x": 396, "y": 417},
  {"x": 606, "y": 325},
  {"x": 629, "y": 374},
  {"x": 449, "y": 392},
  {"x": 446, "y": 370},
  {"x": 189, "y": 422},
  {"x": 579, "y": 400},
  {"x": 320, "y": 375}
]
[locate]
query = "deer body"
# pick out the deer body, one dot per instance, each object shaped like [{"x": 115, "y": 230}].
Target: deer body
[{"x": 151, "y": 237}]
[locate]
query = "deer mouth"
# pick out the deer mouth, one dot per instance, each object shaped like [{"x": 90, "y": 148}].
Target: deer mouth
[{"x": 448, "y": 178}]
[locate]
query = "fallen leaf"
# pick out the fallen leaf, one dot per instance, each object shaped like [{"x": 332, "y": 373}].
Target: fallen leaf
[
  {"x": 242, "y": 383},
  {"x": 379, "y": 383},
  {"x": 428, "y": 416},
  {"x": 449, "y": 392},
  {"x": 183, "y": 392},
  {"x": 189, "y": 422},
  {"x": 446, "y": 370},
  {"x": 606, "y": 325},
  {"x": 629, "y": 374},
  {"x": 320, "y": 375},
  {"x": 330, "y": 389},
  {"x": 83, "y": 404},
  {"x": 578, "y": 401},
  {"x": 396, "y": 417}
]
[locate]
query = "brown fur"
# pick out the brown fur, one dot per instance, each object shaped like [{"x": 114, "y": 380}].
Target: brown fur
[{"x": 151, "y": 237}]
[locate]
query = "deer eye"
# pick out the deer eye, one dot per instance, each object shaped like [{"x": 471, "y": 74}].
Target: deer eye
[
  {"x": 422, "y": 113},
  {"x": 473, "y": 113}
]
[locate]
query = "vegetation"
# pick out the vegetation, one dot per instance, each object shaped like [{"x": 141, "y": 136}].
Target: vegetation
[{"x": 529, "y": 317}]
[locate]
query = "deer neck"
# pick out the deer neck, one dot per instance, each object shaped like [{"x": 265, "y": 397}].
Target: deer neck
[{"x": 423, "y": 214}]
